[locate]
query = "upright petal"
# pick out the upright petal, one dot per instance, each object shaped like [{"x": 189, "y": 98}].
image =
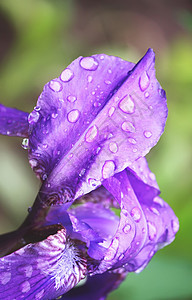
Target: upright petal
[
  {"x": 13, "y": 122},
  {"x": 79, "y": 144},
  {"x": 44, "y": 270},
  {"x": 144, "y": 227}
]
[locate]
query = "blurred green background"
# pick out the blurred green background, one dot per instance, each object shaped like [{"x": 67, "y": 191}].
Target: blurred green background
[{"x": 38, "y": 39}]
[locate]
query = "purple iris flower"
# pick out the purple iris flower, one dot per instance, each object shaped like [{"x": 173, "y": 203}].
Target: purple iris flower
[{"x": 87, "y": 139}]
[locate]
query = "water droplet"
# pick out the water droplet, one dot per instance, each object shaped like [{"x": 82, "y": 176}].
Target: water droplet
[
  {"x": 108, "y": 82},
  {"x": 108, "y": 169},
  {"x": 116, "y": 99},
  {"x": 121, "y": 256},
  {"x": 128, "y": 126},
  {"x": 147, "y": 134},
  {"x": 67, "y": 75},
  {"x": 89, "y": 79},
  {"x": 54, "y": 115},
  {"x": 92, "y": 182},
  {"x": 33, "y": 117},
  {"x": 113, "y": 147},
  {"x": 152, "y": 231},
  {"x": 91, "y": 134},
  {"x": 71, "y": 98},
  {"x": 44, "y": 177},
  {"x": 33, "y": 163},
  {"x": 132, "y": 141},
  {"x": 127, "y": 105},
  {"x": 110, "y": 254},
  {"x": 151, "y": 253},
  {"x": 152, "y": 176},
  {"x": 89, "y": 63},
  {"x": 115, "y": 244},
  {"x": 162, "y": 93},
  {"x": 5, "y": 277},
  {"x": 82, "y": 172},
  {"x": 25, "y": 143},
  {"x": 93, "y": 93},
  {"x": 144, "y": 81},
  {"x": 175, "y": 225},
  {"x": 37, "y": 108},
  {"x": 73, "y": 115},
  {"x": 155, "y": 211},
  {"x": 159, "y": 201},
  {"x": 146, "y": 94},
  {"x": 101, "y": 57},
  {"x": 55, "y": 86},
  {"x": 134, "y": 150},
  {"x": 136, "y": 214},
  {"x": 126, "y": 228},
  {"x": 111, "y": 111},
  {"x": 125, "y": 212}
]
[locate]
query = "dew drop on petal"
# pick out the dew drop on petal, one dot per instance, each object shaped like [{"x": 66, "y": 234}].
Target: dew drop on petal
[
  {"x": 152, "y": 231},
  {"x": 39, "y": 295},
  {"x": 108, "y": 169},
  {"x": 136, "y": 214},
  {"x": 108, "y": 82},
  {"x": 175, "y": 225},
  {"x": 162, "y": 93},
  {"x": 67, "y": 75},
  {"x": 121, "y": 256},
  {"x": 115, "y": 244},
  {"x": 25, "y": 287},
  {"x": 110, "y": 254},
  {"x": 73, "y": 115},
  {"x": 146, "y": 94},
  {"x": 92, "y": 182},
  {"x": 89, "y": 79},
  {"x": 152, "y": 176},
  {"x": 132, "y": 141},
  {"x": 147, "y": 134},
  {"x": 125, "y": 212},
  {"x": 89, "y": 63},
  {"x": 25, "y": 143},
  {"x": 5, "y": 277},
  {"x": 91, "y": 134},
  {"x": 128, "y": 126},
  {"x": 127, "y": 104},
  {"x": 33, "y": 163},
  {"x": 33, "y": 117},
  {"x": 151, "y": 253},
  {"x": 159, "y": 201},
  {"x": 155, "y": 211},
  {"x": 37, "y": 108},
  {"x": 54, "y": 115},
  {"x": 71, "y": 98},
  {"x": 113, "y": 147},
  {"x": 135, "y": 150},
  {"x": 144, "y": 81},
  {"x": 111, "y": 111},
  {"x": 55, "y": 86},
  {"x": 126, "y": 228}
]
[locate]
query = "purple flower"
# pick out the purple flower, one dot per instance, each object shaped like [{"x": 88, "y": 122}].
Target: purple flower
[{"x": 87, "y": 138}]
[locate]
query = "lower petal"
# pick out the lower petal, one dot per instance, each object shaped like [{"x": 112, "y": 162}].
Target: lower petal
[{"x": 97, "y": 287}]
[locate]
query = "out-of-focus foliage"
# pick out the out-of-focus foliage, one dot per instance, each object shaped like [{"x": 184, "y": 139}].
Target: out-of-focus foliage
[{"x": 38, "y": 39}]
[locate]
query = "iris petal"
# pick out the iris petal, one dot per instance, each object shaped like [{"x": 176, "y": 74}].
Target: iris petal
[
  {"x": 96, "y": 287},
  {"x": 44, "y": 270},
  {"x": 78, "y": 144},
  {"x": 13, "y": 122}
]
